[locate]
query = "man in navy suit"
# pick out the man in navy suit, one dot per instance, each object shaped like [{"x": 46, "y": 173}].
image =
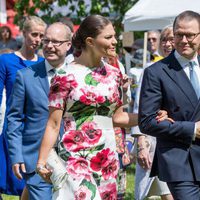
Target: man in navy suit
[
  {"x": 173, "y": 84},
  {"x": 28, "y": 113}
]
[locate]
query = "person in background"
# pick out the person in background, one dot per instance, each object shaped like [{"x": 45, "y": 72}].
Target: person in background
[
  {"x": 166, "y": 41},
  {"x": 23, "y": 144},
  {"x": 153, "y": 37},
  {"x": 139, "y": 44},
  {"x": 174, "y": 84},
  {"x": 68, "y": 22},
  {"x": 33, "y": 31},
  {"x": 145, "y": 145},
  {"x": 137, "y": 70},
  {"x": 6, "y": 40},
  {"x": 3, "y": 102}
]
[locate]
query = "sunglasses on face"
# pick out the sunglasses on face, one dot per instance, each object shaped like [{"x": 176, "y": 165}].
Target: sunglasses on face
[{"x": 152, "y": 39}]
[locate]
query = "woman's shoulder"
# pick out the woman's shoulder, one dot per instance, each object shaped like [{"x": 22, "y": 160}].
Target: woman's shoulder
[{"x": 8, "y": 57}]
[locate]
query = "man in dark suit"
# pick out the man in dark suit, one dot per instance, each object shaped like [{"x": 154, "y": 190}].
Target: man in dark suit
[
  {"x": 28, "y": 113},
  {"x": 173, "y": 84}
]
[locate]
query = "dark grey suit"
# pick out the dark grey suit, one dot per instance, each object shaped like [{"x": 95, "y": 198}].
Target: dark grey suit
[{"x": 166, "y": 86}]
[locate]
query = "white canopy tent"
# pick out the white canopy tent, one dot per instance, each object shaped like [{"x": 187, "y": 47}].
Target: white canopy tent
[
  {"x": 3, "y": 15},
  {"x": 156, "y": 14}
]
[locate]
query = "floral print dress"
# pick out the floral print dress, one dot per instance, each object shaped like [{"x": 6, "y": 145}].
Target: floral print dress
[{"x": 88, "y": 97}]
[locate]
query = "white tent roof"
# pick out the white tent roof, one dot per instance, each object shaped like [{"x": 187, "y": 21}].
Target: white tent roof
[{"x": 156, "y": 14}]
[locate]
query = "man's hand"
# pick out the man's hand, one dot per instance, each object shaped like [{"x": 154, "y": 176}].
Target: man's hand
[
  {"x": 197, "y": 124},
  {"x": 17, "y": 168}
]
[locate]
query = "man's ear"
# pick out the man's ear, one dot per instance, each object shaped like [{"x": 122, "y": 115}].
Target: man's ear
[
  {"x": 89, "y": 41},
  {"x": 69, "y": 44}
]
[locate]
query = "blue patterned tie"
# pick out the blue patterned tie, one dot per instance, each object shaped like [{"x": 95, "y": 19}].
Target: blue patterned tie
[
  {"x": 52, "y": 72},
  {"x": 194, "y": 78}
]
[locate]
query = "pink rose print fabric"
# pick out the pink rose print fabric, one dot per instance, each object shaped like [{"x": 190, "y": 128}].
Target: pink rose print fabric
[{"x": 87, "y": 96}]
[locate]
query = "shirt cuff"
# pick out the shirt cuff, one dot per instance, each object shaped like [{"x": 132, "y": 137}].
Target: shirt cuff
[{"x": 195, "y": 132}]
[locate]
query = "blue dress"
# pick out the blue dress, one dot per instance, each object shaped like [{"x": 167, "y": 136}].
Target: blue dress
[{"x": 9, "y": 65}]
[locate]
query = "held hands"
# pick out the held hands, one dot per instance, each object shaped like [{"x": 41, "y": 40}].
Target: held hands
[
  {"x": 44, "y": 172},
  {"x": 17, "y": 168},
  {"x": 162, "y": 115}
]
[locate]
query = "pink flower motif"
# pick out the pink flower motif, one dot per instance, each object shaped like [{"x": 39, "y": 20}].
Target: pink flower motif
[
  {"x": 83, "y": 193},
  {"x": 92, "y": 133},
  {"x": 89, "y": 97},
  {"x": 60, "y": 86},
  {"x": 78, "y": 168},
  {"x": 69, "y": 124},
  {"x": 114, "y": 96},
  {"x": 111, "y": 170},
  {"x": 105, "y": 74},
  {"x": 109, "y": 191},
  {"x": 71, "y": 81},
  {"x": 101, "y": 160},
  {"x": 74, "y": 140}
]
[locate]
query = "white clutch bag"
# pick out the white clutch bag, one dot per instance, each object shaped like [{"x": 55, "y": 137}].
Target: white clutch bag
[{"x": 59, "y": 175}]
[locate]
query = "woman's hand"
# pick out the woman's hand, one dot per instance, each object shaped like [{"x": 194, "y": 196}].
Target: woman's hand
[
  {"x": 126, "y": 81},
  {"x": 162, "y": 115},
  {"x": 44, "y": 172}
]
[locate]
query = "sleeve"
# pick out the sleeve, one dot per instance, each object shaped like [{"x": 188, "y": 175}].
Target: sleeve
[
  {"x": 15, "y": 119},
  {"x": 150, "y": 103},
  {"x": 2, "y": 76},
  {"x": 61, "y": 85}
]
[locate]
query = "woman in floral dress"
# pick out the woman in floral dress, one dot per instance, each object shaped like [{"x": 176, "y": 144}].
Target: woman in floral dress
[{"x": 85, "y": 96}]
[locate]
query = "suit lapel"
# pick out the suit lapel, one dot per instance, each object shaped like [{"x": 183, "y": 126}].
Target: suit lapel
[
  {"x": 177, "y": 74},
  {"x": 40, "y": 73}
]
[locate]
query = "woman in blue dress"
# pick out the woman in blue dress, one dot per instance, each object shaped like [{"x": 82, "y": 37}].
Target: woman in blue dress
[{"x": 33, "y": 31}]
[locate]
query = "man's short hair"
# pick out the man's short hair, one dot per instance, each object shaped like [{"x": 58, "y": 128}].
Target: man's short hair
[{"x": 187, "y": 15}]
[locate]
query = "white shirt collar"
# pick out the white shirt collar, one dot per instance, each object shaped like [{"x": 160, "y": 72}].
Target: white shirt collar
[
  {"x": 184, "y": 61},
  {"x": 50, "y": 67}
]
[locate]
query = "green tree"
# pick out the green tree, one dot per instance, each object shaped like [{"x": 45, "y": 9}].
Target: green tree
[{"x": 114, "y": 9}]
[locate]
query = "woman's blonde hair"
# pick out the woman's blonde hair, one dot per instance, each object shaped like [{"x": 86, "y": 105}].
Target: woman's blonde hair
[{"x": 30, "y": 20}]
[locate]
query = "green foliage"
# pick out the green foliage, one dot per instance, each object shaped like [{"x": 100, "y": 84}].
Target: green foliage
[{"x": 114, "y": 9}]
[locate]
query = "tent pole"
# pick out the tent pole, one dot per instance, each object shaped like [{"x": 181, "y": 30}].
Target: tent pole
[{"x": 145, "y": 50}]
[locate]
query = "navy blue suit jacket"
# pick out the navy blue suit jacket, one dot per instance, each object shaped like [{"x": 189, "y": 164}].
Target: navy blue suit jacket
[
  {"x": 28, "y": 116},
  {"x": 166, "y": 86}
]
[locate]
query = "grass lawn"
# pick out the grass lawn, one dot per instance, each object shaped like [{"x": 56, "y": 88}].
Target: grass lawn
[
  {"x": 8, "y": 197},
  {"x": 129, "y": 190},
  {"x": 130, "y": 182}
]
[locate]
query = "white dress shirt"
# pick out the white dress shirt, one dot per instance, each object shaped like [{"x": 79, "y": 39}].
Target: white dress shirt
[{"x": 184, "y": 62}]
